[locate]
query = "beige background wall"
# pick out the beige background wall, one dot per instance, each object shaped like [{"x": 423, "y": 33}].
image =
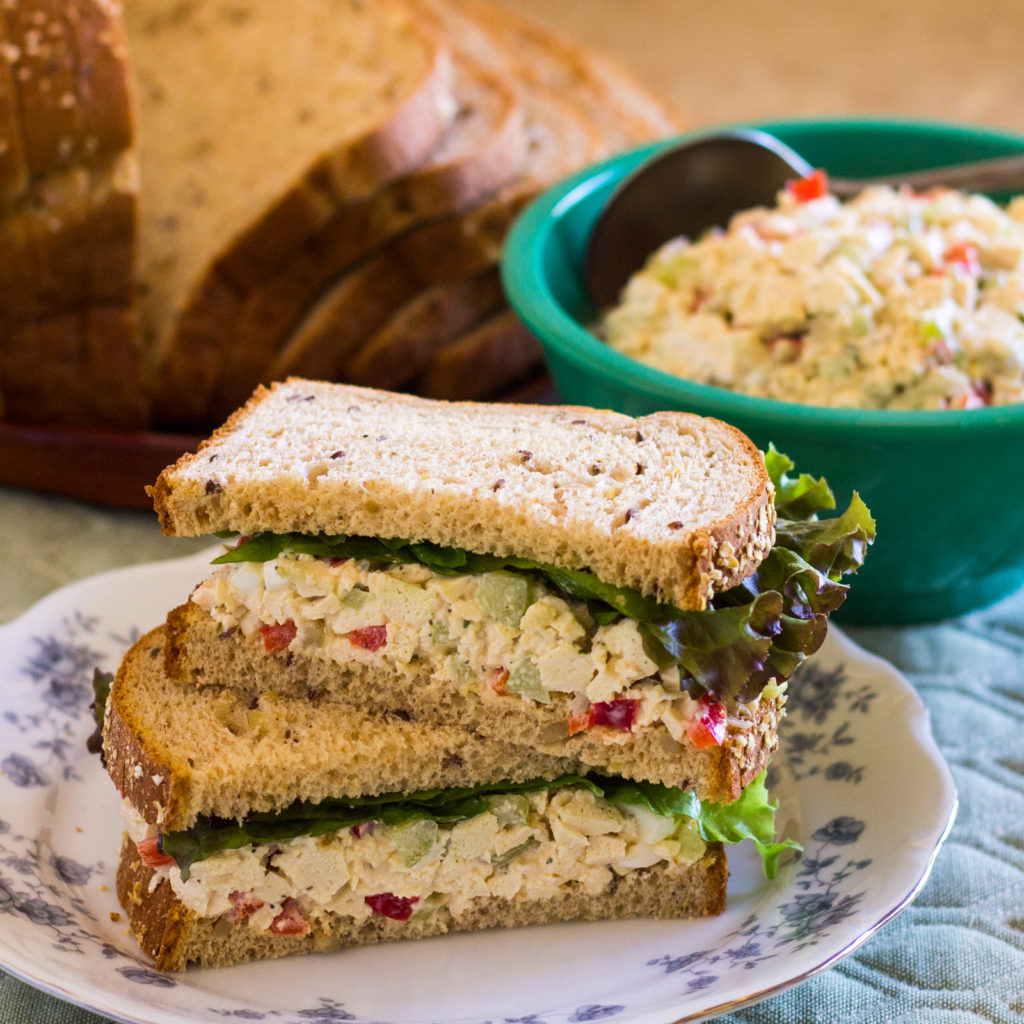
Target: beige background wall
[{"x": 723, "y": 60}]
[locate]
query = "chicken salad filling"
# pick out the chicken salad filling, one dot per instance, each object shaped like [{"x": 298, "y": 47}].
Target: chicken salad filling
[
  {"x": 414, "y": 855},
  {"x": 891, "y": 300}
]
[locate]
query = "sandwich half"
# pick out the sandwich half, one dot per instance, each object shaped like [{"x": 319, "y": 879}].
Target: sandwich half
[
  {"x": 291, "y": 825},
  {"x": 628, "y": 594}
]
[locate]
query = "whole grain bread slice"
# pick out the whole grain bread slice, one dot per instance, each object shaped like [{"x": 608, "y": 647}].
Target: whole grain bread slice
[
  {"x": 200, "y": 654},
  {"x": 179, "y": 752},
  {"x": 241, "y": 175},
  {"x": 672, "y": 504},
  {"x": 566, "y": 90},
  {"x": 176, "y": 937},
  {"x": 484, "y": 148}
]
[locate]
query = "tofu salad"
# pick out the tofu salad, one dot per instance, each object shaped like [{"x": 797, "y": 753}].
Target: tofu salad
[{"x": 892, "y": 300}]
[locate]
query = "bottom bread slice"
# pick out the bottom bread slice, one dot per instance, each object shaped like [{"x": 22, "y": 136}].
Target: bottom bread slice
[
  {"x": 201, "y": 652},
  {"x": 177, "y": 937}
]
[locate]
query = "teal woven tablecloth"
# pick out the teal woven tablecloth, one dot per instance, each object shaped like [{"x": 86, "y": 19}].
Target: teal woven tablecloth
[{"x": 955, "y": 956}]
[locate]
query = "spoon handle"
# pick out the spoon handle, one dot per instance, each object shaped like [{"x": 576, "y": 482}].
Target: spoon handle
[{"x": 1002, "y": 174}]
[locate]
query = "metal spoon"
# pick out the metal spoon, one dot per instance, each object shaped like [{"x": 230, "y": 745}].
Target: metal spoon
[{"x": 699, "y": 184}]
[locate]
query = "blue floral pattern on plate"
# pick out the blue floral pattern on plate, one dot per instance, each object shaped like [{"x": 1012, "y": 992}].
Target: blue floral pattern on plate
[{"x": 855, "y": 731}]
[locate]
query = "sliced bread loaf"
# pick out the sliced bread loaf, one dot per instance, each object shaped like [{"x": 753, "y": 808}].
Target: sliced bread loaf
[
  {"x": 579, "y": 108},
  {"x": 671, "y": 504}
]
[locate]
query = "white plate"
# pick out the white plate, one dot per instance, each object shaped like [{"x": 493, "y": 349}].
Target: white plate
[{"x": 860, "y": 780}]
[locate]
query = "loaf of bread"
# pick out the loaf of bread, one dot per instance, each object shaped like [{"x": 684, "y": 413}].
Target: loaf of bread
[{"x": 200, "y": 197}]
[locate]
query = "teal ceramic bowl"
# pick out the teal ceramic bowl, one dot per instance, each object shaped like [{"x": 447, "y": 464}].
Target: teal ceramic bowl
[{"x": 946, "y": 488}]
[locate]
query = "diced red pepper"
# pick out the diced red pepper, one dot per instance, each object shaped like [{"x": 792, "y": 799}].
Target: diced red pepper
[
  {"x": 290, "y": 921},
  {"x": 277, "y": 635},
  {"x": 963, "y": 254},
  {"x": 978, "y": 397},
  {"x": 707, "y": 727},
  {"x": 497, "y": 680},
  {"x": 578, "y": 723},
  {"x": 616, "y": 714},
  {"x": 243, "y": 905},
  {"x": 387, "y": 904},
  {"x": 150, "y": 853},
  {"x": 369, "y": 638},
  {"x": 814, "y": 186}
]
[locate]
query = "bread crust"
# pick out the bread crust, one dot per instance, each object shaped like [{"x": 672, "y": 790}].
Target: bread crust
[
  {"x": 476, "y": 364},
  {"x": 175, "y": 937},
  {"x": 408, "y": 343}
]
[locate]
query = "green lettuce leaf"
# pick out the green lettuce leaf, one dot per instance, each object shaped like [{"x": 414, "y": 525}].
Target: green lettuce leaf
[
  {"x": 762, "y": 628},
  {"x": 748, "y": 818},
  {"x": 751, "y": 817},
  {"x": 101, "y": 683}
]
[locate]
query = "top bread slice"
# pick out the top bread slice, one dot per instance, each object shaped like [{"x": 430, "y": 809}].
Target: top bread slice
[
  {"x": 306, "y": 111},
  {"x": 674, "y": 505}
]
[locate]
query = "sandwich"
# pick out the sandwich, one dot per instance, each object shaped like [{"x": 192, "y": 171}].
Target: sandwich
[{"x": 462, "y": 665}]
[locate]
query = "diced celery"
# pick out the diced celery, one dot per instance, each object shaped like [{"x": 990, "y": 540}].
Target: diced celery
[
  {"x": 356, "y": 598},
  {"x": 440, "y": 635},
  {"x": 501, "y": 859},
  {"x": 428, "y": 906},
  {"x": 504, "y": 596},
  {"x": 509, "y": 808},
  {"x": 413, "y": 840},
  {"x": 466, "y": 677},
  {"x": 525, "y": 679}
]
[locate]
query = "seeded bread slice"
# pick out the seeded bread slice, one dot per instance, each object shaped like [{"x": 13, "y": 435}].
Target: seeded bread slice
[
  {"x": 199, "y": 654},
  {"x": 673, "y": 504},
  {"x": 177, "y": 752},
  {"x": 176, "y": 937},
  {"x": 242, "y": 174}
]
